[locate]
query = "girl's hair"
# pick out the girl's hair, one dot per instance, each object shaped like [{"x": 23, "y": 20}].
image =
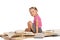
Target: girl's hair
[{"x": 33, "y": 8}]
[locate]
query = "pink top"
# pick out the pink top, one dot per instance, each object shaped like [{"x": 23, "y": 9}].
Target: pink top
[{"x": 39, "y": 21}]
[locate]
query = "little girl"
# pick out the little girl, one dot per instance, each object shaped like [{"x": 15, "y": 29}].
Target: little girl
[{"x": 34, "y": 27}]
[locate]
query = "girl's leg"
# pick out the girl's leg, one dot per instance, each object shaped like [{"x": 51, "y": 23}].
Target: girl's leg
[{"x": 30, "y": 26}]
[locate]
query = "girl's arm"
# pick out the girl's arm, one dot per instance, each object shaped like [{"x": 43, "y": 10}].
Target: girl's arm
[{"x": 36, "y": 26}]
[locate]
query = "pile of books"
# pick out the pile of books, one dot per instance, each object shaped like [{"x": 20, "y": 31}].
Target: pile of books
[{"x": 21, "y": 34}]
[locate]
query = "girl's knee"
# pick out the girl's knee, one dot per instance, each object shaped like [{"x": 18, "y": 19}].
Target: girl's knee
[{"x": 29, "y": 22}]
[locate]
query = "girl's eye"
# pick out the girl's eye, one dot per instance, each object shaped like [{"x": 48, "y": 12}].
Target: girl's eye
[{"x": 32, "y": 11}]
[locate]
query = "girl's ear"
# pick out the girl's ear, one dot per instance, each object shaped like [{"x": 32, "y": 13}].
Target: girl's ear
[{"x": 36, "y": 10}]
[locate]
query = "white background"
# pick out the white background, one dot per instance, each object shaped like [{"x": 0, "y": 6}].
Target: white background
[{"x": 14, "y": 14}]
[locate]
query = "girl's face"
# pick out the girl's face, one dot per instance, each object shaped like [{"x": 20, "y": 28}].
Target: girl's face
[{"x": 33, "y": 12}]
